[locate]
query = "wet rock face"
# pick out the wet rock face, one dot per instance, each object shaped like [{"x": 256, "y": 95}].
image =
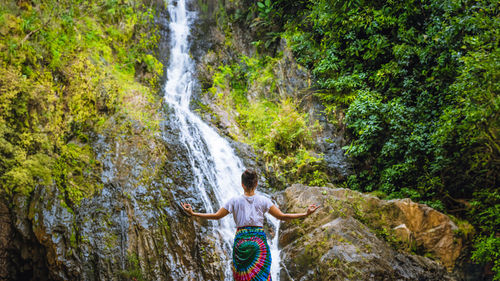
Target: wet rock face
[
  {"x": 355, "y": 236},
  {"x": 131, "y": 228}
]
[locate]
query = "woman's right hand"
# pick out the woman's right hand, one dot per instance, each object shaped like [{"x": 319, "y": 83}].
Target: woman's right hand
[
  {"x": 312, "y": 208},
  {"x": 187, "y": 208}
]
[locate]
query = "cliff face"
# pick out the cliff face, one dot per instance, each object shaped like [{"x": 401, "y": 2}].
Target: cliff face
[
  {"x": 132, "y": 227},
  {"x": 354, "y": 236}
]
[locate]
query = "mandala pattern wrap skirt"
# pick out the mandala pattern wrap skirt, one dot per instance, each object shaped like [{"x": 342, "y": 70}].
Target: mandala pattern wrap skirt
[{"x": 251, "y": 255}]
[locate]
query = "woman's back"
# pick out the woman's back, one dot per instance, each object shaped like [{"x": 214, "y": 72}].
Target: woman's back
[{"x": 248, "y": 210}]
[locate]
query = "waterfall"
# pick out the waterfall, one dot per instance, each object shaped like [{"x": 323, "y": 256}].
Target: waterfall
[{"x": 215, "y": 166}]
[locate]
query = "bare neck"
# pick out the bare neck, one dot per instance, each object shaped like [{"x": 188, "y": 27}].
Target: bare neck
[{"x": 250, "y": 193}]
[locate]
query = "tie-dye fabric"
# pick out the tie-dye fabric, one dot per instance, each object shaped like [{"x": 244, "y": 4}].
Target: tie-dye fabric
[{"x": 251, "y": 255}]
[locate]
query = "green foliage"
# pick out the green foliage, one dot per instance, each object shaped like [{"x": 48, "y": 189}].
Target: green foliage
[
  {"x": 66, "y": 67},
  {"x": 485, "y": 209},
  {"x": 420, "y": 85},
  {"x": 265, "y": 8},
  {"x": 488, "y": 250},
  {"x": 285, "y": 137},
  {"x": 485, "y": 214},
  {"x": 278, "y": 129},
  {"x": 75, "y": 172}
]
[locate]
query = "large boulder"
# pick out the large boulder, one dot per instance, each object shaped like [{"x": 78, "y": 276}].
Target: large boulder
[
  {"x": 354, "y": 236},
  {"x": 428, "y": 228}
]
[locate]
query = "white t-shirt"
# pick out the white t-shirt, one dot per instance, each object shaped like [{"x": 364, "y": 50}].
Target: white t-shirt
[{"x": 248, "y": 210}]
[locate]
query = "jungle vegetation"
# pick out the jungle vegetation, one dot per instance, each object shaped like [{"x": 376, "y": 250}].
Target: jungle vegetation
[{"x": 68, "y": 71}]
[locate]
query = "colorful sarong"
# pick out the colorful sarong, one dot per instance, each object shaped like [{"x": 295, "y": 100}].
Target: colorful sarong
[{"x": 251, "y": 255}]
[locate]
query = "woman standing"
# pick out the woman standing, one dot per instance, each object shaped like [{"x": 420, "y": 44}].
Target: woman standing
[{"x": 251, "y": 254}]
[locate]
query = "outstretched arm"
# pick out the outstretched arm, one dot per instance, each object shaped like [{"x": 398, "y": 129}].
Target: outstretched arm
[
  {"x": 219, "y": 215},
  {"x": 276, "y": 212}
]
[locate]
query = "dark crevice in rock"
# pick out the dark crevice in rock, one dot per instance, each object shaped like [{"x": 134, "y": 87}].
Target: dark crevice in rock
[{"x": 21, "y": 256}]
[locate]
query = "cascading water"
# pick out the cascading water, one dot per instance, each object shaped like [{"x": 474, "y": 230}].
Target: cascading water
[{"x": 216, "y": 168}]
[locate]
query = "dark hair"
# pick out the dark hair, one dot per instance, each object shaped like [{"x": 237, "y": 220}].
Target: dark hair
[{"x": 249, "y": 179}]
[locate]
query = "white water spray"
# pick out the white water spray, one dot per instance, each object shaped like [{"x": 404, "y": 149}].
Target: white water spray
[{"x": 215, "y": 166}]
